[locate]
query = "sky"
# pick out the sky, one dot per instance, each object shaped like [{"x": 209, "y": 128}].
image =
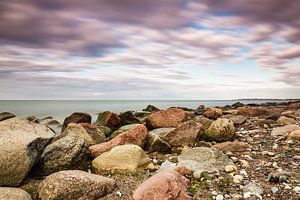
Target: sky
[{"x": 142, "y": 49}]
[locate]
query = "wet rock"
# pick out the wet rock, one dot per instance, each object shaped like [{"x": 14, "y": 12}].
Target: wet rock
[
  {"x": 76, "y": 118},
  {"x": 200, "y": 110},
  {"x": 220, "y": 130},
  {"x": 295, "y": 135},
  {"x": 237, "y": 119},
  {"x": 204, "y": 121},
  {"x": 164, "y": 185},
  {"x": 234, "y": 146},
  {"x": 135, "y": 136},
  {"x": 166, "y": 118},
  {"x": 284, "y": 130},
  {"x": 69, "y": 152},
  {"x": 74, "y": 184},
  {"x": 200, "y": 159},
  {"x": 151, "y": 108},
  {"x": 6, "y": 115},
  {"x": 121, "y": 158},
  {"x": 128, "y": 117},
  {"x": 186, "y": 134},
  {"x": 253, "y": 189},
  {"x": 8, "y": 193},
  {"x": 94, "y": 136},
  {"x": 286, "y": 120},
  {"x": 213, "y": 113},
  {"x": 108, "y": 119},
  {"x": 21, "y": 144},
  {"x": 33, "y": 119}
]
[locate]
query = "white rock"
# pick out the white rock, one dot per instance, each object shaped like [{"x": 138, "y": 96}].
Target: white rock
[{"x": 219, "y": 197}]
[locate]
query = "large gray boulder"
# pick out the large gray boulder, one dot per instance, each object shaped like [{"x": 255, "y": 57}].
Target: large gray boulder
[
  {"x": 200, "y": 159},
  {"x": 69, "y": 152},
  {"x": 21, "y": 144},
  {"x": 8, "y": 193},
  {"x": 74, "y": 184}
]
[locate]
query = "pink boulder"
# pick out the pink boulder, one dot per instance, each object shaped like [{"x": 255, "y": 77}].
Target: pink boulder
[
  {"x": 136, "y": 135},
  {"x": 165, "y": 185},
  {"x": 166, "y": 118}
]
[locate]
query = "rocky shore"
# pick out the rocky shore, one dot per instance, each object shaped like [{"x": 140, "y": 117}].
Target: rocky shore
[{"x": 232, "y": 152}]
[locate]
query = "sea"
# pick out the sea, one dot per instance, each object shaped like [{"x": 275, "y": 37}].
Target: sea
[{"x": 59, "y": 109}]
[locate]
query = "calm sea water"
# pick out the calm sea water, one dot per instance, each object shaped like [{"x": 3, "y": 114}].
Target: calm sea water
[{"x": 59, "y": 109}]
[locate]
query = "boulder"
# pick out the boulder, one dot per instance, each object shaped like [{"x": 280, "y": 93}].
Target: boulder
[
  {"x": 94, "y": 136},
  {"x": 135, "y": 136},
  {"x": 237, "y": 104},
  {"x": 237, "y": 119},
  {"x": 8, "y": 193},
  {"x": 151, "y": 108},
  {"x": 53, "y": 124},
  {"x": 164, "y": 185},
  {"x": 21, "y": 144},
  {"x": 234, "y": 146},
  {"x": 108, "y": 119},
  {"x": 295, "y": 135},
  {"x": 284, "y": 130},
  {"x": 161, "y": 132},
  {"x": 6, "y": 115},
  {"x": 76, "y": 118},
  {"x": 121, "y": 158},
  {"x": 273, "y": 116},
  {"x": 213, "y": 113},
  {"x": 97, "y": 134},
  {"x": 155, "y": 144},
  {"x": 69, "y": 152},
  {"x": 128, "y": 118},
  {"x": 286, "y": 120},
  {"x": 204, "y": 121},
  {"x": 200, "y": 110},
  {"x": 200, "y": 159},
  {"x": 74, "y": 184},
  {"x": 253, "y": 111},
  {"x": 166, "y": 118},
  {"x": 220, "y": 130},
  {"x": 186, "y": 134},
  {"x": 122, "y": 129}
]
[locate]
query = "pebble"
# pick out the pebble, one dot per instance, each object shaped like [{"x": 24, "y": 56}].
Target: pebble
[
  {"x": 237, "y": 179},
  {"x": 274, "y": 190},
  {"x": 245, "y": 163},
  {"x": 243, "y": 172},
  {"x": 287, "y": 187},
  {"x": 297, "y": 189},
  {"x": 219, "y": 197},
  {"x": 230, "y": 168},
  {"x": 118, "y": 193}
]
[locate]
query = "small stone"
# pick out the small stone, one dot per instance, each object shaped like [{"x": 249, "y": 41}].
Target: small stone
[
  {"x": 237, "y": 179},
  {"x": 287, "y": 187},
  {"x": 245, "y": 163},
  {"x": 230, "y": 168},
  {"x": 297, "y": 189},
  {"x": 274, "y": 190},
  {"x": 219, "y": 197}
]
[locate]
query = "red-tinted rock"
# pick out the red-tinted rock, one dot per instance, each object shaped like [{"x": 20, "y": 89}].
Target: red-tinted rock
[
  {"x": 76, "y": 118},
  {"x": 237, "y": 119},
  {"x": 213, "y": 113},
  {"x": 166, "y": 118},
  {"x": 234, "y": 146},
  {"x": 108, "y": 119},
  {"x": 166, "y": 185},
  {"x": 186, "y": 134},
  {"x": 253, "y": 111},
  {"x": 136, "y": 136}
]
